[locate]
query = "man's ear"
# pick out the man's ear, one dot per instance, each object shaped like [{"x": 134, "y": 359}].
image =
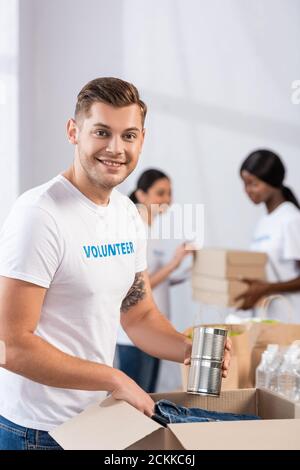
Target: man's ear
[{"x": 72, "y": 131}]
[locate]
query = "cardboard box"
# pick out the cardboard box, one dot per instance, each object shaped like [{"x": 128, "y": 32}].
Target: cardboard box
[
  {"x": 230, "y": 264},
  {"x": 116, "y": 425},
  {"x": 230, "y": 287},
  {"x": 216, "y": 298},
  {"x": 217, "y": 274}
]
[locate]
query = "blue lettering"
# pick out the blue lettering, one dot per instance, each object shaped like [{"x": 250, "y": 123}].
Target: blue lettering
[
  {"x": 94, "y": 251},
  {"x": 111, "y": 250},
  {"x": 104, "y": 250},
  {"x": 87, "y": 250},
  {"x": 98, "y": 250}
]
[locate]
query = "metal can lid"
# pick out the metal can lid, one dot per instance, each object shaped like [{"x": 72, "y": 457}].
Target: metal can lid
[{"x": 211, "y": 330}]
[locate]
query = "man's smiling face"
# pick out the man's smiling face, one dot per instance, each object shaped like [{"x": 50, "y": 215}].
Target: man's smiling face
[{"x": 109, "y": 141}]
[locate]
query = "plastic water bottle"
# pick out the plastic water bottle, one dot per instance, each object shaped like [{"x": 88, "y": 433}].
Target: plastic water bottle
[
  {"x": 297, "y": 381},
  {"x": 262, "y": 371},
  {"x": 286, "y": 374},
  {"x": 272, "y": 373}
]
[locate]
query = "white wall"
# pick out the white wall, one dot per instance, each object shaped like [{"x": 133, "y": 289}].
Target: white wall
[
  {"x": 8, "y": 105},
  {"x": 66, "y": 43},
  {"x": 217, "y": 79},
  {"x": 216, "y": 75},
  {"x": 27, "y": 86}
]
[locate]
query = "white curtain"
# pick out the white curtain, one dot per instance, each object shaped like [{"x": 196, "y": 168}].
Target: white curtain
[{"x": 8, "y": 104}]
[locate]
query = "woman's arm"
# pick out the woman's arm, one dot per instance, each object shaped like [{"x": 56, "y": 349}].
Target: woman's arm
[
  {"x": 163, "y": 273},
  {"x": 259, "y": 289}
]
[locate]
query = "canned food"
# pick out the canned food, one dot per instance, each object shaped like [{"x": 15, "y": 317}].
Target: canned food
[
  {"x": 205, "y": 374},
  {"x": 205, "y": 377},
  {"x": 208, "y": 343}
]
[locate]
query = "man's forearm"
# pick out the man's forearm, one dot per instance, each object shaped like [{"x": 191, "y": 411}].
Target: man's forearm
[
  {"x": 155, "y": 335},
  {"x": 41, "y": 362}
]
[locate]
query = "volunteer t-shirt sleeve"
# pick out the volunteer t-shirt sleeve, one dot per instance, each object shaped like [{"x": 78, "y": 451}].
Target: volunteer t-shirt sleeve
[
  {"x": 30, "y": 246},
  {"x": 291, "y": 240}
]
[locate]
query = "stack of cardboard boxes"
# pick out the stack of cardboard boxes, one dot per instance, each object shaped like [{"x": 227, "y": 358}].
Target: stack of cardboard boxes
[{"x": 218, "y": 274}]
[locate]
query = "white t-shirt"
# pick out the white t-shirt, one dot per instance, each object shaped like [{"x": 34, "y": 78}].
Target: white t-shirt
[
  {"x": 86, "y": 256},
  {"x": 156, "y": 259},
  {"x": 278, "y": 235}
]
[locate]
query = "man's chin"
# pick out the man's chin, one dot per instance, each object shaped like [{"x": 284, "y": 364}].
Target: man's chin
[{"x": 112, "y": 181}]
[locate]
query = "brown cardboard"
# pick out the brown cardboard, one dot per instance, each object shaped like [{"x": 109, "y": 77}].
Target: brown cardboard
[
  {"x": 116, "y": 425},
  {"x": 230, "y": 264},
  {"x": 277, "y": 406},
  {"x": 232, "y": 401},
  {"x": 232, "y": 288},
  {"x": 243, "y": 435},
  {"x": 111, "y": 424},
  {"x": 217, "y": 298}
]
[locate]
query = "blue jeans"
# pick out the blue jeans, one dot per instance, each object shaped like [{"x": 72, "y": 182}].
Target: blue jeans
[
  {"x": 139, "y": 366},
  {"x": 15, "y": 437},
  {"x": 172, "y": 413}
]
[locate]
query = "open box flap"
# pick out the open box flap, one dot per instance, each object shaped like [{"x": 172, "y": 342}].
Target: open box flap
[
  {"x": 238, "y": 435},
  {"x": 111, "y": 424}
]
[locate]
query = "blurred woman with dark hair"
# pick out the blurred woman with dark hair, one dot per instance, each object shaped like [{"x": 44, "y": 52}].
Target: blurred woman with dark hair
[
  {"x": 277, "y": 233},
  {"x": 153, "y": 196}
]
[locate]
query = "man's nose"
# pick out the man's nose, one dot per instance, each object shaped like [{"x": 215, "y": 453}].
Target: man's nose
[{"x": 115, "y": 145}]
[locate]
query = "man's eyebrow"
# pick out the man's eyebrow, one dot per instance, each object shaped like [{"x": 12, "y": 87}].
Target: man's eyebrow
[
  {"x": 100, "y": 124},
  {"x": 132, "y": 129}
]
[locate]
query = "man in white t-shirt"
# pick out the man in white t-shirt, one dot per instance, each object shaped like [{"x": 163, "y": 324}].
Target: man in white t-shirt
[{"x": 72, "y": 256}]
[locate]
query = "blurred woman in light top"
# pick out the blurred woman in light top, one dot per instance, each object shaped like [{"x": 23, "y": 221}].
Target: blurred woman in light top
[
  {"x": 153, "y": 195},
  {"x": 277, "y": 233}
]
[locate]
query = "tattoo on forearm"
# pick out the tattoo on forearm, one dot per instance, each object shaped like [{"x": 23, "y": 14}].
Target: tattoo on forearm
[{"x": 136, "y": 293}]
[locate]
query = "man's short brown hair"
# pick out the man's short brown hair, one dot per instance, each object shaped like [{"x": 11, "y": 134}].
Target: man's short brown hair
[{"x": 111, "y": 91}]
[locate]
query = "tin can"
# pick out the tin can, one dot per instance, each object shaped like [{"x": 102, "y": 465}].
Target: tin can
[
  {"x": 205, "y": 374},
  {"x": 205, "y": 377},
  {"x": 208, "y": 343}
]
